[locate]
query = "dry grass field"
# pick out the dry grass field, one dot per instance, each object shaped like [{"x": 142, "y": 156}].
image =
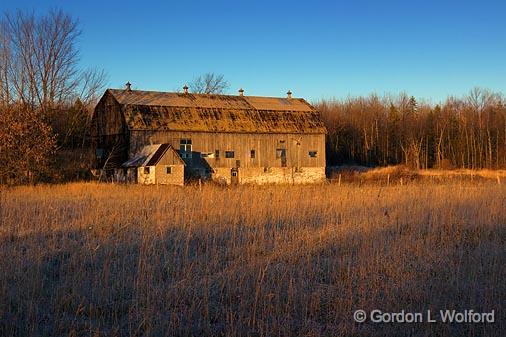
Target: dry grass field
[{"x": 91, "y": 259}]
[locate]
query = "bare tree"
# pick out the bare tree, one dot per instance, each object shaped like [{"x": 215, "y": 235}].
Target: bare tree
[
  {"x": 91, "y": 85},
  {"x": 209, "y": 83},
  {"x": 4, "y": 62},
  {"x": 39, "y": 61}
]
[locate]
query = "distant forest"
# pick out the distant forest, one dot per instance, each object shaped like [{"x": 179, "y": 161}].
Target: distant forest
[{"x": 468, "y": 132}]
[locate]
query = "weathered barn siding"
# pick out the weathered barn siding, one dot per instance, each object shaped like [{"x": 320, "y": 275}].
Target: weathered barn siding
[
  {"x": 264, "y": 145},
  {"x": 109, "y": 132},
  {"x": 108, "y": 118}
]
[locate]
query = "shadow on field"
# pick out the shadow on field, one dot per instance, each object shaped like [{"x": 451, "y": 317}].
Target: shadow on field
[{"x": 255, "y": 281}]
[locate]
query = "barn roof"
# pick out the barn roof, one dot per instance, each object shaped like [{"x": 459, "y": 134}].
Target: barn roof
[
  {"x": 150, "y": 110},
  {"x": 150, "y": 155}
]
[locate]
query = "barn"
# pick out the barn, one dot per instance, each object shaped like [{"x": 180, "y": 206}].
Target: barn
[{"x": 234, "y": 139}]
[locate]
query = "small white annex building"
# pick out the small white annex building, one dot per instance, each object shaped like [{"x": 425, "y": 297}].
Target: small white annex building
[{"x": 155, "y": 164}]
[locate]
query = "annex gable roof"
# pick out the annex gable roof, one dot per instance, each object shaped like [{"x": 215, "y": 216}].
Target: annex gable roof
[{"x": 150, "y": 155}]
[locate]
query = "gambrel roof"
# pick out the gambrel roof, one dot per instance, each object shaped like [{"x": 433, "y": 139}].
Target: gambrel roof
[{"x": 150, "y": 110}]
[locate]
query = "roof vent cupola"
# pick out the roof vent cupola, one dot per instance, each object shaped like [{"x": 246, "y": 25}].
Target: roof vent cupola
[
  {"x": 128, "y": 86},
  {"x": 185, "y": 88},
  {"x": 241, "y": 92},
  {"x": 289, "y": 94}
]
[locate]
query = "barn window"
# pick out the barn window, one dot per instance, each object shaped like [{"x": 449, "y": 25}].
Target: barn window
[
  {"x": 217, "y": 154},
  {"x": 313, "y": 154},
  {"x": 229, "y": 154},
  {"x": 252, "y": 154},
  {"x": 185, "y": 147},
  {"x": 169, "y": 170},
  {"x": 146, "y": 170}
]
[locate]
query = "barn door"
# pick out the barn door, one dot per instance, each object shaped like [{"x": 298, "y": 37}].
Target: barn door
[
  {"x": 234, "y": 176},
  {"x": 282, "y": 155}
]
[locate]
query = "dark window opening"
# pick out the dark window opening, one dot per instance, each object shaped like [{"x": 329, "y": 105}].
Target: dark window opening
[
  {"x": 252, "y": 154},
  {"x": 146, "y": 170},
  {"x": 185, "y": 147},
  {"x": 229, "y": 154},
  {"x": 217, "y": 154},
  {"x": 234, "y": 173},
  {"x": 313, "y": 154},
  {"x": 169, "y": 170}
]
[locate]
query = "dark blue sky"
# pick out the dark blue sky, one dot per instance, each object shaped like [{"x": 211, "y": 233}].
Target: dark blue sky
[{"x": 318, "y": 49}]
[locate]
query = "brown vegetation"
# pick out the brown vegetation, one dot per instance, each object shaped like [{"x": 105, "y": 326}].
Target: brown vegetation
[
  {"x": 107, "y": 260},
  {"x": 401, "y": 174},
  {"x": 468, "y": 132}
]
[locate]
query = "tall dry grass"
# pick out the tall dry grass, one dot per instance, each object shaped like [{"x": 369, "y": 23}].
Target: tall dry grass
[{"x": 111, "y": 260}]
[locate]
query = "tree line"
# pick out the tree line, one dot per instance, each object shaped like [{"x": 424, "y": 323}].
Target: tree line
[{"x": 467, "y": 132}]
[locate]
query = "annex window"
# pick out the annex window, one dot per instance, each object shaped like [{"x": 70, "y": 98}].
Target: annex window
[
  {"x": 168, "y": 169},
  {"x": 229, "y": 154},
  {"x": 253, "y": 154},
  {"x": 313, "y": 154},
  {"x": 146, "y": 170},
  {"x": 217, "y": 154}
]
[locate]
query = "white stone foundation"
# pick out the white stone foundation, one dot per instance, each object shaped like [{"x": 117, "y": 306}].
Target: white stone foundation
[{"x": 272, "y": 175}]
